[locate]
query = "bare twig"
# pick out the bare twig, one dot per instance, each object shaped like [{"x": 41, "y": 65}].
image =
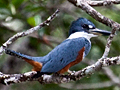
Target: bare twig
[
  {"x": 107, "y": 48},
  {"x": 103, "y": 3},
  {"x": 25, "y": 33},
  {"x": 15, "y": 78}
]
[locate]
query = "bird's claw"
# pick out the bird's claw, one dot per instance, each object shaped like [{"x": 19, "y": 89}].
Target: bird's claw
[{"x": 71, "y": 72}]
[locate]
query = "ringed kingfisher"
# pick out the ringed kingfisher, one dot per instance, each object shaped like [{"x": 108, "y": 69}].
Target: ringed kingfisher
[{"x": 70, "y": 52}]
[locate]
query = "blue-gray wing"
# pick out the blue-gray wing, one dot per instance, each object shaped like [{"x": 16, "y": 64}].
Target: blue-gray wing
[{"x": 65, "y": 53}]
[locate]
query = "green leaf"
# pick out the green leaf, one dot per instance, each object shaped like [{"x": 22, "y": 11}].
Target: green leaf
[{"x": 31, "y": 21}]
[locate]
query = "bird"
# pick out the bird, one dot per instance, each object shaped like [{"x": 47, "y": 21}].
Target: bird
[{"x": 67, "y": 54}]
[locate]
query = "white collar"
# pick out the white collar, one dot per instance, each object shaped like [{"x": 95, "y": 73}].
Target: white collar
[{"x": 81, "y": 34}]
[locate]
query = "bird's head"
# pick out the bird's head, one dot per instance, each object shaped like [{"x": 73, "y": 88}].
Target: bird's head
[{"x": 86, "y": 27}]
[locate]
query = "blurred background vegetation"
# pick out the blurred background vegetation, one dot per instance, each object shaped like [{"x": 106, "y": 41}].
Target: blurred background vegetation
[{"x": 21, "y": 15}]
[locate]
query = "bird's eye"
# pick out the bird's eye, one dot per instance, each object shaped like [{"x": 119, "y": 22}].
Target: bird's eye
[
  {"x": 85, "y": 26},
  {"x": 88, "y": 26},
  {"x": 91, "y": 27}
]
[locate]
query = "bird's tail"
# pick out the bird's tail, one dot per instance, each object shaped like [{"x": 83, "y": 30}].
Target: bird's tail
[
  {"x": 22, "y": 56},
  {"x": 16, "y": 54}
]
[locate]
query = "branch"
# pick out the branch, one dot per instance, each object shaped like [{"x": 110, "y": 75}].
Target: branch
[
  {"x": 107, "y": 47},
  {"x": 96, "y": 15},
  {"x": 25, "y": 33},
  {"x": 103, "y": 3},
  {"x": 55, "y": 78}
]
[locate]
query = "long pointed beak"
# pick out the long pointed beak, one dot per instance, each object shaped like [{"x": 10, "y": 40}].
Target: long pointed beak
[{"x": 97, "y": 31}]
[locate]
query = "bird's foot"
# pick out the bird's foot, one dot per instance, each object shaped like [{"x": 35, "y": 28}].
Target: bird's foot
[{"x": 71, "y": 72}]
